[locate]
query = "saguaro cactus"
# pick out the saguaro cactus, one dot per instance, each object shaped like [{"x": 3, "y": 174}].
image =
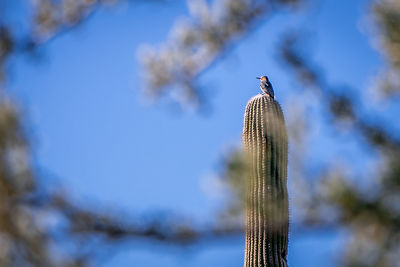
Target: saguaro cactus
[{"x": 267, "y": 215}]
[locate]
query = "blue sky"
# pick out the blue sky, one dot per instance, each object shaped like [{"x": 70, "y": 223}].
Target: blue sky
[{"x": 92, "y": 129}]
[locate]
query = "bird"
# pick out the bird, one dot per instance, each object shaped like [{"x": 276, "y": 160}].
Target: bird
[{"x": 266, "y": 86}]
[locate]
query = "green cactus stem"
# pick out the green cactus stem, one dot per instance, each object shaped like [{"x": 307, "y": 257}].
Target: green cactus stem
[{"x": 267, "y": 209}]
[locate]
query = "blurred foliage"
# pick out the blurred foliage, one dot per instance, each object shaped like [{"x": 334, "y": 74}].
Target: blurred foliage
[
  {"x": 6, "y": 47},
  {"x": 234, "y": 168},
  {"x": 196, "y": 43},
  {"x": 47, "y": 19},
  {"x": 43, "y": 227},
  {"x": 54, "y": 16},
  {"x": 387, "y": 17},
  {"x": 370, "y": 210}
]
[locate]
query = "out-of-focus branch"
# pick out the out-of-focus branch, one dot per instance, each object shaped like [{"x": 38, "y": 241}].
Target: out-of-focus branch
[
  {"x": 370, "y": 213},
  {"x": 341, "y": 105},
  {"x": 198, "y": 42},
  {"x": 52, "y": 17},
  {"x": 163, "y": 229},
  {"x": 48, "y": 20},
  {"x": 33, "y": 218},
  {"x": 6, "y": 48},
  {"x": 386, "y": 14}
]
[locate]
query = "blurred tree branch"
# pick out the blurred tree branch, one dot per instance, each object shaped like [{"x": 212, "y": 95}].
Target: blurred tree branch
[
  {"x": 198, "y": 42},
  {"x": 35, "y": 222},
  {"x": 371, "y": 213},
  {"x": 387, "y": 20}
]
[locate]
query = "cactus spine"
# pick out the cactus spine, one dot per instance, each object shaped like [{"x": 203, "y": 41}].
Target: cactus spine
[{"x": 267, "y": 214}]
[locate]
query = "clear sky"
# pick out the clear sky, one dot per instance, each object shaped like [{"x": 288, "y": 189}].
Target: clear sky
[{"x": 92, "y": 129}]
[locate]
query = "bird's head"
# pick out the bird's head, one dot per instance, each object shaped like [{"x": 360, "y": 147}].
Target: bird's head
[{"x": 263, "y": 78}]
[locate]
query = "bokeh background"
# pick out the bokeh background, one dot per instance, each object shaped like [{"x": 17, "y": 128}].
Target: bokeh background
[{"x": 121, "y": 121}]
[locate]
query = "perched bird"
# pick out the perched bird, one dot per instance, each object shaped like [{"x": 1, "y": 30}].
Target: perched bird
[{"x": 266, "y": 86}]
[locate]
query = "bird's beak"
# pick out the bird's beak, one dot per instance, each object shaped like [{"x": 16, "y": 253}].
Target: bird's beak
[{"x": 258, "y": 78}]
